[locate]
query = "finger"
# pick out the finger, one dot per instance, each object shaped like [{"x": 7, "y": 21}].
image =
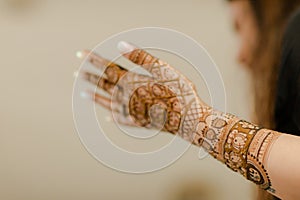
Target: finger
[
  {"x": 100, "y": 82},
  {"x": 101, "y": 100},
  {"x": 113, "y": 71},
  {"x": 98, "y": 61},
  {"x": 137, "y": 56}
]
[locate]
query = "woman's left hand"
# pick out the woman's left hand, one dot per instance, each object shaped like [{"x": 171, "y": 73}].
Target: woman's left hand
[{"x": 165, "y": 100}]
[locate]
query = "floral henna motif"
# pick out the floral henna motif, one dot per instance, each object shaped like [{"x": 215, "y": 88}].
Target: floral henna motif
[
  {"x": 155, "y": 105},
  {"x": 211, "y": 129}
]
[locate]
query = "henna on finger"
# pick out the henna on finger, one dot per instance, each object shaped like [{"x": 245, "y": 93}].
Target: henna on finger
[
  {"x": 141, "y": 57},
  {"x": 98, "y": 61},
  {"x": 113, "y": 71},
  {"x": 103, "y": 101},
  {"x": 100, "y": 82}
]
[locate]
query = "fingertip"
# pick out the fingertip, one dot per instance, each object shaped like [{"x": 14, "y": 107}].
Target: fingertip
[
  {"x": 85, "y": 95},
  {"x": 79, "y": 54},
  {"x": 76, "y": 74},
  {"x": 82, "y": 54},
  {"x": 125, "y": 47}
]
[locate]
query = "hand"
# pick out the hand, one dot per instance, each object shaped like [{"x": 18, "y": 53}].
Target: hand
[{"x": 165, "y": 100}]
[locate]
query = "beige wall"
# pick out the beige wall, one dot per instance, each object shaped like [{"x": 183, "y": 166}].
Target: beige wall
[{"x": 41, "y": 156}]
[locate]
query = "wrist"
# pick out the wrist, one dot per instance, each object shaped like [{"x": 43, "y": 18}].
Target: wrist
[
  {"x": 211, "y": 131},
  {"x": 241, "y": 145}
]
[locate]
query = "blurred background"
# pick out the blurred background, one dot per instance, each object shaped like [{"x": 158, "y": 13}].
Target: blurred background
[{"x": 41, "y": 156}]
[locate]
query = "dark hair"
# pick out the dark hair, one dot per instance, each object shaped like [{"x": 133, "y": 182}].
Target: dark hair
[{"x": 271, "y": 17}]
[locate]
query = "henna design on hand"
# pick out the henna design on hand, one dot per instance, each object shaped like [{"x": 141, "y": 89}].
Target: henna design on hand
[
  {"x": 167, "y": 100},
  {"x": 166, "y": 112}
]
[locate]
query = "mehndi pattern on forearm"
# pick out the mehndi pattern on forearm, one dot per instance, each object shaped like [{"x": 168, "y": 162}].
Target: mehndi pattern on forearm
[
  {"x": 211, "y": 129},
  {"x": 257, "y": 156},
  {"x": 241, "y": 145},
  {"x": 245, "y": 151}
]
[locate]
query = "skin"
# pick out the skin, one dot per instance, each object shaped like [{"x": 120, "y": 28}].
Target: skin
[{"x": 244, "y": 24}]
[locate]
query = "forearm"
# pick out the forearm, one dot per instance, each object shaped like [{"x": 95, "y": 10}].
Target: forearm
[
  {"x": 263, "y": 156},
  {"x": 283, "y": 164}
]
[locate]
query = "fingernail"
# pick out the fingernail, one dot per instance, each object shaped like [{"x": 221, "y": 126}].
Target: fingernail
[
  {"x": 79, "y": 54},
  {"x": 85, "y": 95},
  {"x": 75, "y": 74},
  {"x": 125, "y": 47}
]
